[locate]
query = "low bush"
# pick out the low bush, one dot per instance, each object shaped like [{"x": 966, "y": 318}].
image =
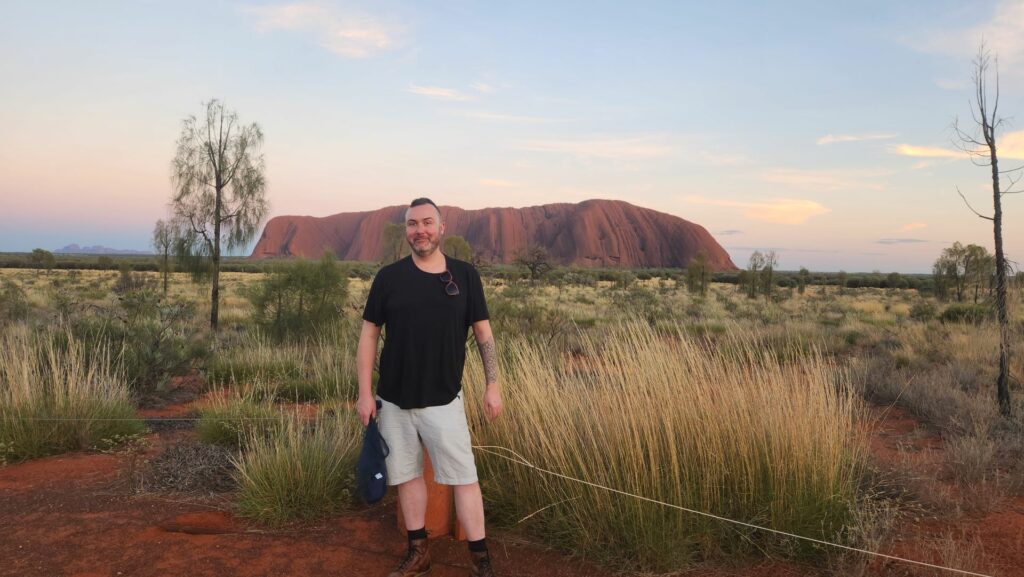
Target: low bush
[{"x": 966, "y": 313}]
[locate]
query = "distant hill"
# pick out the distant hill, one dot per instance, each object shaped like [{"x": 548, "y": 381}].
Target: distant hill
[
  {"x": 97, "y": 249},
  {"x": 593, "y": 233}
]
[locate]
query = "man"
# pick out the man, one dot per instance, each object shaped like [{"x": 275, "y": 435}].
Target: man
[{"x": 427, "y": 301}]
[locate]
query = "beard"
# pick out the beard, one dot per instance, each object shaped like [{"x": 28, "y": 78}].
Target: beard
[{"x": 425, "y": 249}]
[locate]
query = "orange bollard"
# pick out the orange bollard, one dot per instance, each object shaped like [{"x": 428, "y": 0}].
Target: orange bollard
[{"x": 441, "y": 518}]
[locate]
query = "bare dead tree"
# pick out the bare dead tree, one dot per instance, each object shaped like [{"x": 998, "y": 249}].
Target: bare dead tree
[
  {"x": 218, "y": 180},
  {"x": 981, "y": 145}
]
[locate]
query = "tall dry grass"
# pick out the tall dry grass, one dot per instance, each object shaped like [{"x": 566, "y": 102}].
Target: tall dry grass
[
  {"x": 56, "y": 396},
  {"x": 751, "y": 435},
  {"x": 304, "y": 471}
]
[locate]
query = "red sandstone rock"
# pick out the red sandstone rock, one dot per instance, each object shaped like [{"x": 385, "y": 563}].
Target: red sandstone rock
[{"x": 593, "y": 233}]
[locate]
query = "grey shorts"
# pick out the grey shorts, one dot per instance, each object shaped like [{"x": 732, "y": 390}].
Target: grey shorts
[{"x": 444, "y": 433}]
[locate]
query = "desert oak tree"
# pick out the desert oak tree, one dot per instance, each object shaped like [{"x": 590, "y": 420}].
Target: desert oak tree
[
  {"x": 980, "y": 143},
  {"x": 219, "y": 185}
]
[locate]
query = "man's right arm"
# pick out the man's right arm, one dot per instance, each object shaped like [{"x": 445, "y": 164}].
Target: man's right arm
[{"x": 366, "y": 356}]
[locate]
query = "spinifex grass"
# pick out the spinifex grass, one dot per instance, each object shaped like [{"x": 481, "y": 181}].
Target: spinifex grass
[
  {"x": 318, "y": 368},
  {"x": 303, "y": 472},
  {"x": 231, "y": 417},
  {"x": 755, "y": 437},
  {"x": 52, "y": 400}
]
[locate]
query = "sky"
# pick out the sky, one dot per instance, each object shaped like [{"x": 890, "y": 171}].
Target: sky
[{"x": 820, "y": 130}]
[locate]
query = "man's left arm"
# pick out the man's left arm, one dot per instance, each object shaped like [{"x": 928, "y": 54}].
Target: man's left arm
[{"x": 489, "y": 358}]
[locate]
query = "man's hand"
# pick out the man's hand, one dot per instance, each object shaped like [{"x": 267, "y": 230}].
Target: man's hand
[
  {"x": 492, "y": 401},
  {"x": 367, "y": 407}
]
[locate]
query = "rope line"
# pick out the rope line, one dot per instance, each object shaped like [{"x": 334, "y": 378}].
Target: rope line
[{"x": 491, "y": 449}]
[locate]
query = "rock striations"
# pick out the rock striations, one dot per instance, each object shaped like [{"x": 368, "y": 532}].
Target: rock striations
[{"x": 593, "y": 233}]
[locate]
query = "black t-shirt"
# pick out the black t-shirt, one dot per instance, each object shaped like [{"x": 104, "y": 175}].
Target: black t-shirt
[{"x": 424, "y": 330}]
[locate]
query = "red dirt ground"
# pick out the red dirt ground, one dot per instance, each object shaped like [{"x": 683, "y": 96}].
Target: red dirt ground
[{"x": 73, "y": 515}]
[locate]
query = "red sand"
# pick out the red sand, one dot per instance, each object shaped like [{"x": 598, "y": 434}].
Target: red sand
[{"x": 72, "y": 515}]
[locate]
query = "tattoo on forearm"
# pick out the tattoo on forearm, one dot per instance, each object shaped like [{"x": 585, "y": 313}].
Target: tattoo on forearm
[{"x": 489, "y": 356}]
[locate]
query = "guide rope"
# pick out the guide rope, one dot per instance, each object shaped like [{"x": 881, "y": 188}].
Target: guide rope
[{"x": 519, "y": 459}]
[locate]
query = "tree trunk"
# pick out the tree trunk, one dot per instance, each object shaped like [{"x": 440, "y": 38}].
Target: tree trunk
[
  {"x": 166, "y": 271},
  {"x": 215, "y": 277},
  {"x": 1002, "y": 383}
]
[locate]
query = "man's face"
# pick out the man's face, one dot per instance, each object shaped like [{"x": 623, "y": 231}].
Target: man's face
[{"x": 423, "y": 229}]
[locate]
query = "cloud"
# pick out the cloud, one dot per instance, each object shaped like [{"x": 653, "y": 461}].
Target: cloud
[
  {"x": 730, "y": 232},
  {"x": 496, "y": 183},
  {"x": 483, "y": 87},
  {"x": 926, "y": 151},
  {"x": 831, "y": 139},
  {"x": 609, "y": 148},
  {"x": 900, "y": 240},
  {"x": 438, "y": 93},
  {"x": 912, "y": 226},
  {"x": 1003, "y": 34},
  {"x": 778, "y": 210},
  {"x": 509, "y": 118},
  {"x": 1011, "y": 145},
  {"x": 350, "y": 34},
  {"x": 822, "y": 180}
]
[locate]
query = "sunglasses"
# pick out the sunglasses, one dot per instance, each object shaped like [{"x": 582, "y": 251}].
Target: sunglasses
[{"x": 450, "y": 288}]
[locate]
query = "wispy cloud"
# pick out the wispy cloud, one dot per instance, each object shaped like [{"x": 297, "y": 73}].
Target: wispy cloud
[
  {"x": 497, "y": 183},
  {"x": 609, "y": 148},
  {"x": 348, "y": 34},
  {"x": 1003, "y": 34},
  {"x": 730, "y": 232},
  {"x": 912, "y": 226},
  {"x": 833, "y": 138},
  {"x": 1010, "y": 145},
  {"x": 824, "y": 180},
  {"x": 900, "y": 241},
  {"x": 778, "y": 210},
  {"x": 438, "y": 93},
  {"x": 926, "y": 151},
  {"x": 509, "y": 118}
]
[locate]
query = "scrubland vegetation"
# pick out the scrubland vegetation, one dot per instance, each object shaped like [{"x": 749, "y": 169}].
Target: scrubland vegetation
[{"x": 665, "y": 385}]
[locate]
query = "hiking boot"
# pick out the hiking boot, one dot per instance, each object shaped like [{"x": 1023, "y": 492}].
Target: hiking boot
[
  {"x": 416, "y": 562},
  {"x": 481, "y": 565}
]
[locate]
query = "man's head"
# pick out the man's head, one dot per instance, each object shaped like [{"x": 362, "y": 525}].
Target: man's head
[{"x": 423, "y": 226}]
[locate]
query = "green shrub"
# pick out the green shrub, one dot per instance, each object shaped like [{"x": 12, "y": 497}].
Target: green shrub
[
  {"x": 299, "y": 298},
  {"x": 152, "y": 337},
  {"x": 304, "y": 472},
  {"x": 13, "y": 302},
  {"x": 923, "y": 311},
  {"x": 966, "y": 313}
]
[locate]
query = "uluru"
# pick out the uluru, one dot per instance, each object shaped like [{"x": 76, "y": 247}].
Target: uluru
[{"x": 592, "y": 233}]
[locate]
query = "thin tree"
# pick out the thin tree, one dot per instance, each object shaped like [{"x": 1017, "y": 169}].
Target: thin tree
[
  {"x": 163, "y": 241},
  {"x": 981, "y": 144},
  {"x": 219, "y": 187}
]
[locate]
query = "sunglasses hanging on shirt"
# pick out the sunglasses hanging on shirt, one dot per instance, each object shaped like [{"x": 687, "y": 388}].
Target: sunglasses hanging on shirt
[{"x": 450, "y": 288}]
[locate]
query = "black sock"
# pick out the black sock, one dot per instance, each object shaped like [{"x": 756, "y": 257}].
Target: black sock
[
  {"x": 478, "y": 546},
  {"x": 418, "y": 534}
]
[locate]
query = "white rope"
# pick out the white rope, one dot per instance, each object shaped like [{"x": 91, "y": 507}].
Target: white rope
[{"x": 522, "y": 461}]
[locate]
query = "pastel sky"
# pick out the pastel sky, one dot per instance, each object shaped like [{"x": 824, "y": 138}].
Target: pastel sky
[{"x": 821, "y": 130}]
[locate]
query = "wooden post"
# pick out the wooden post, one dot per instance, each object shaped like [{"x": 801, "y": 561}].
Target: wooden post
[{"x": 441, "y": 518}]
